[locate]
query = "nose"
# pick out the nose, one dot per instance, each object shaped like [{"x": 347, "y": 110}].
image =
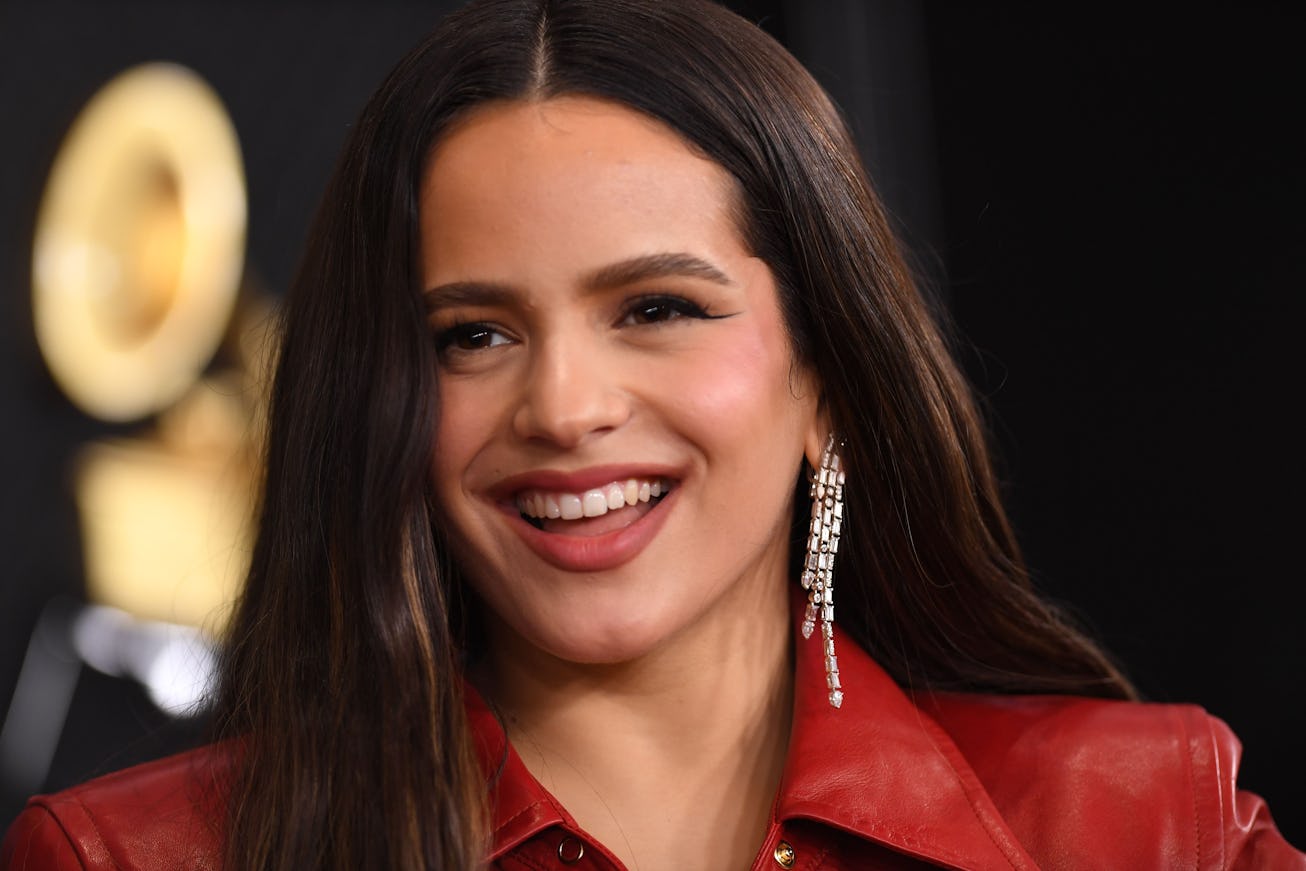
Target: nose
[{"x": 571, "y": 393}]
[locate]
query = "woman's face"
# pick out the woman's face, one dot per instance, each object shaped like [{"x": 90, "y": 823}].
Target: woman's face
[{"x": 605, "y": 336}]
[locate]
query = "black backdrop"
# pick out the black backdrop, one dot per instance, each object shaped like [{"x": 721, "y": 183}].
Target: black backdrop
[
  {"x": 1110, "y": 207},
  {"x": 1123, "y": 200}
]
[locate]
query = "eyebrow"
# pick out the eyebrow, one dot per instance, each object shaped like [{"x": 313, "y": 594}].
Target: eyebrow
[
  {"x": 631, "y": 271},
  {"x": 467, "y": 293},
  {"x": 649, "y": 266}
]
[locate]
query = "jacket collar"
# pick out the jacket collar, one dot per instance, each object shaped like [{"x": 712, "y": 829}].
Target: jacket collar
[
  {"x": 878, "y": 768},
  {"x": 519, "y": 806}
]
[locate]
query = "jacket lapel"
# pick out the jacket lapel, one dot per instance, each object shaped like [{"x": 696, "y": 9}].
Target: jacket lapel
[{"x": 881, "y": 769}]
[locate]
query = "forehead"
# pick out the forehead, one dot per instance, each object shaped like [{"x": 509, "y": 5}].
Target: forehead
[
  {"x": 571, "y": 171},
  {"x": 505, "y": 132}
]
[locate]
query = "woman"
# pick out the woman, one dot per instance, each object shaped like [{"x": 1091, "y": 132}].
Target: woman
[{"x": 599, "y": 339}]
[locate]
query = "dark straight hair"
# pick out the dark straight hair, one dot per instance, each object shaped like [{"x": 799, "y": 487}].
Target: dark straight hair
[{"x": 342, "y": 678}]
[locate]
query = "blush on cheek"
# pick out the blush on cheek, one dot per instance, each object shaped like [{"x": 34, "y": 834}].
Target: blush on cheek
[{"x": 741, "y": 380}]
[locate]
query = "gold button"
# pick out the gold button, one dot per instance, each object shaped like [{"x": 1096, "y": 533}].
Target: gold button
[
  {"x": 785, "y": 855},
  {"x": 571, "y": 850}
]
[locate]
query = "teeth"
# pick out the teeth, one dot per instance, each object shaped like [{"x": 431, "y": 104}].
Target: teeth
[
  {"x": 591, "y": 503},
  {"x": 616, "y": 497},
  {"x": 595, "y": 503}
]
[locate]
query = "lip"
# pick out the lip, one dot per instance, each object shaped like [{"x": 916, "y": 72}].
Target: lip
[{"x": 575, "y": 553}]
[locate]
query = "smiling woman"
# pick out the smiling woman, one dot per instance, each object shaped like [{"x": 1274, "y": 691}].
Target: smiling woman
[{"x": 600, "y": 358}]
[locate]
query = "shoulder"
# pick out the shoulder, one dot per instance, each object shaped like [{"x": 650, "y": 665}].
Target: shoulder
[
  {"x": 163, "y": 814},
  {"x": 1159, "y": 778},
  {"x": 1081, "y": 735}
]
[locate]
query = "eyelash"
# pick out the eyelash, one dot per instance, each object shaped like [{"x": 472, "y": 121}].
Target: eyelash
[
  {"x": 675, "y": 306},
  {"x": 644, "y": 311},
  {"x": 463, "y": 331}
]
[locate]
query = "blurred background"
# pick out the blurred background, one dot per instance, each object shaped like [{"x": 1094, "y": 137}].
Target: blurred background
[{"x": 1108, "y": 205}]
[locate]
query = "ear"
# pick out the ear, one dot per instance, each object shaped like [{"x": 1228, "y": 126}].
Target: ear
[
  {"x": 809, "y": 391},
  {"x": 818, "y": 430}
]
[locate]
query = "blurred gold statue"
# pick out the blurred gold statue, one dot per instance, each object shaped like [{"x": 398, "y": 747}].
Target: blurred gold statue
[{"x": 139, "y": 253}]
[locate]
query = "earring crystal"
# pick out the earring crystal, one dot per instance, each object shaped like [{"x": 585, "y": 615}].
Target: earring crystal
[{"x": 818, "y": 567}]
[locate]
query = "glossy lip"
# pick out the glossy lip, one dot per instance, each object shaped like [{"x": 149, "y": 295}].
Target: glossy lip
[{"x": 576, "y": 553}]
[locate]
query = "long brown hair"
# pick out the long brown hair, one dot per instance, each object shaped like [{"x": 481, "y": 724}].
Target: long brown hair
[{"x": 342, "y": 675}]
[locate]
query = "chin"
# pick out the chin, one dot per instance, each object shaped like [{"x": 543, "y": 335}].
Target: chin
[{"x": 598, "y": 639}]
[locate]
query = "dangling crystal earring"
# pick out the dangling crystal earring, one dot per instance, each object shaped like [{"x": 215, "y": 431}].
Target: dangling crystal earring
[{"x": 818, "y": 569}]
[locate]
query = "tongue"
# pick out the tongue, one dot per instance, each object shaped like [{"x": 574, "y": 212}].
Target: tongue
[{"x": 590, "y": 526}]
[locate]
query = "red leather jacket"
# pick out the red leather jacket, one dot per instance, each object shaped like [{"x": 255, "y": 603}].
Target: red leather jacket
[{"x": 946, "y": 781}]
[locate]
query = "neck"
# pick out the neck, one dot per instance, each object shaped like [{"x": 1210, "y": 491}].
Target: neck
[{"x": 697, "y": 728}]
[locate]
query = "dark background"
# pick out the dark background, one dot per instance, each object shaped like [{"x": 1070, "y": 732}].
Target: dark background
[{"x": 1109, "y": 204}]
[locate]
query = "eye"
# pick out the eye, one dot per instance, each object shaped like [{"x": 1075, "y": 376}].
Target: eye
[
  {"x": 469, "y": 337},
  {"x": 659, "y": 309}
]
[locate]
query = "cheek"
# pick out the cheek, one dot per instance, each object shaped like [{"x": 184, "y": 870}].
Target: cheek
[
  {"x": 463, "y": 426},
  {"x": 738, "y": 386}
]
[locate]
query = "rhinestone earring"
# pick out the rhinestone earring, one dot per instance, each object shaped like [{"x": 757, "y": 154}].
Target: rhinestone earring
[{"x": 818, "y": 569}]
